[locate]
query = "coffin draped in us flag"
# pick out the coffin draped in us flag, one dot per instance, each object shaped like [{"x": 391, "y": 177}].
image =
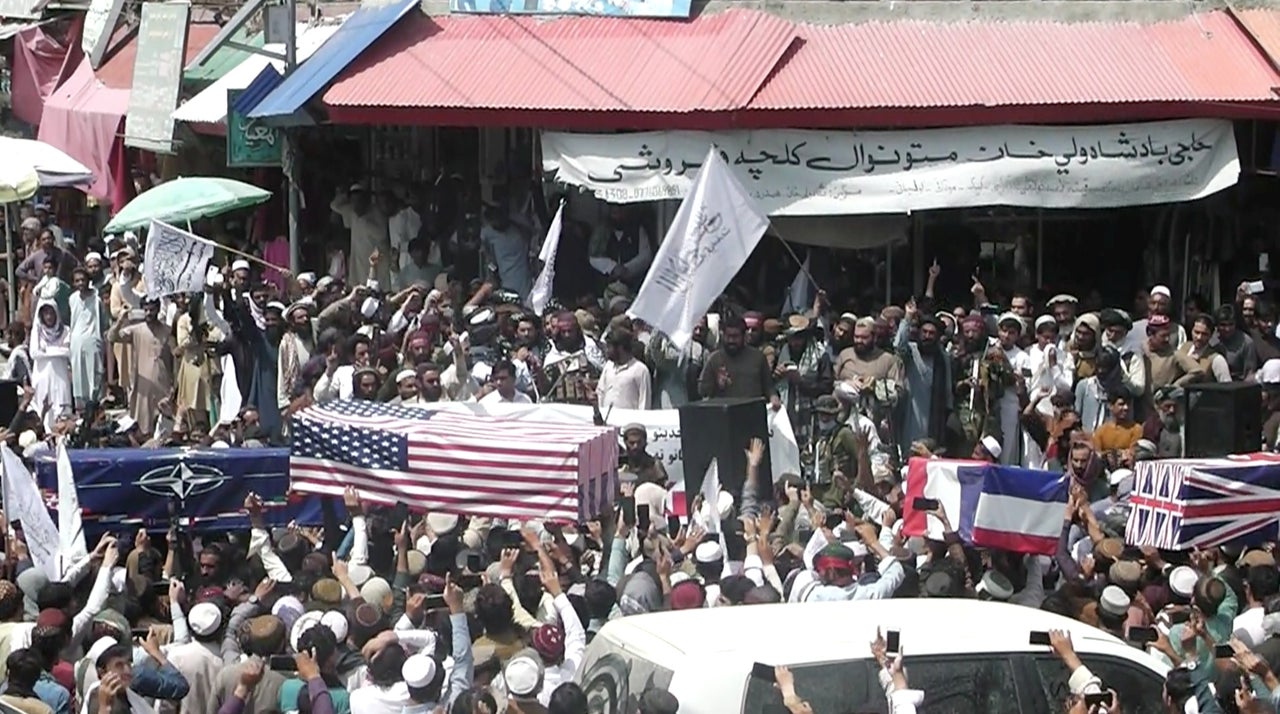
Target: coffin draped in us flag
[
  {"x": 1180, "y": 504},
  {"x": 988, "y": 505},
  {"x": 454, "y": 462}
]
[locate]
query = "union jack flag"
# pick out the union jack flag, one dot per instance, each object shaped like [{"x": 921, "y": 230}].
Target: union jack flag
[{"x": 1182, "y": 504}]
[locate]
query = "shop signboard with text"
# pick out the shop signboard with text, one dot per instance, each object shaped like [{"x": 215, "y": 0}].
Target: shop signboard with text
[
  {"x": 805, "y": 172},
  {"x": 250, "y": 142},
  {"x": 608, "y": 8}
]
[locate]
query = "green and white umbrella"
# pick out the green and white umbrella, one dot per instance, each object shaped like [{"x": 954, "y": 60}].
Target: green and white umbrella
[{"x": 187, "y": 199}]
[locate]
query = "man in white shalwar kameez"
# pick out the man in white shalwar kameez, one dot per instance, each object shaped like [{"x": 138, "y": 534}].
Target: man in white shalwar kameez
[
  {"x": 1010, "y": 331},
  {"x": 88, "y": 317},
  {"x": 625, "y": 381},
  {"x": 369, "y": 232}
]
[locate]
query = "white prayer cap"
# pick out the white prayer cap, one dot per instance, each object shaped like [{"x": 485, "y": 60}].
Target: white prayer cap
[
  {"x": 111, "y": 238},
  {"x": 324, "y": 282},
  {"x": 1010, "y": 317},
  {"x": 708, "y": 552},
  {"x": 1270, "y": 372},
  {"x": 1045, "y": 320},
  {"x": 356, "y": 187},
  {"x": 523, "y": 674},
  {"x": 1182, "y": 581},
  {"x": 305, "y": 621},
  {"x": 995, "y": 585},
  {"x": 1162, "y": 290},
  {"x": 1120, "y": 475},
  {"x": 442, "y": 523},
  {"x": 418, "y": 671},
  {"x": 371, "y": 284},
  {"x": 1061, "y": 297},
  {"x": 359, "y": 573},
  {"x": 213, "y": 277},
  {"x": 27, "y": 438},
  {"x": 93, "y": 255},
  {"x": 240, "y": 265},
  {"x": 337, "y": 624},
  {"x": 102, "y": 644},
  {"x": 205, "y": 619},
  {"x": 276, "y": 305},
  {"x": 1114, "y": 601},
  {"x": 405, "y": 374},
  {"x": 307, "y": 278},
  {"x": 370, "y": 307},
  {"x": 992, "y": 446}
]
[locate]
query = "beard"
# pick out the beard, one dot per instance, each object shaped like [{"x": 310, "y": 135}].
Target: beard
[
  {"x": 974, "y": 346},
  {"x": 928, "y": 348},
  {"x": 274, "y": 333},
  {"x": 733, "y": 349},
  {"x": 1170, "y": 422},
  {"x": 431, "y": 393}
]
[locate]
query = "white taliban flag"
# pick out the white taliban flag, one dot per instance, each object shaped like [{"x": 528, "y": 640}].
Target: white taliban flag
[
  {"x": 711, "y": 496},
  {"x": 175, "y": 260},
  {"x": 540, "y": 295},
  {"x": 23, "y": 504},
  {"x": 715, "y": 230},
  {"x": 70, "y": 528}
]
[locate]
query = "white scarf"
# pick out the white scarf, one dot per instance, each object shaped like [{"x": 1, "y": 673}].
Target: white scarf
[{"x": 137, "y": 705}]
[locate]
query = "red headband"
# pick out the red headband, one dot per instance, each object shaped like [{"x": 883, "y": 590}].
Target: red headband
[{"x": 830, "y": 562}]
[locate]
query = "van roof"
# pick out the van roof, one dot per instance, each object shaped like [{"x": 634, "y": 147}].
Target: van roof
[{"x": 810, "y": 632}]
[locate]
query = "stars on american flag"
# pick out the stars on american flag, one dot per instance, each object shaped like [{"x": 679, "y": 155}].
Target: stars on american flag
[{"x": 361, "y": 446}]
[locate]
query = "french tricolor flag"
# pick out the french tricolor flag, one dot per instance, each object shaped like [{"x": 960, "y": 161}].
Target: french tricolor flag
[{"x": 989, "y": 506}]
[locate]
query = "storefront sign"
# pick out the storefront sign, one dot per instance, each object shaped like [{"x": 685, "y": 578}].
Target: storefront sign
[
  {"x": 799, "y": 172},
  {"x": 249, "y": 141},
  {"x": 610, "y": 8},
  {"x": 99, "y": 24},
  {"x": 157, "y": 76}
]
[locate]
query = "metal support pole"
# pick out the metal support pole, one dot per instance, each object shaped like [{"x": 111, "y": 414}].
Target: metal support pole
[
  {"x": 10, "y": 252},
  {"x": 291, "y": 166}
]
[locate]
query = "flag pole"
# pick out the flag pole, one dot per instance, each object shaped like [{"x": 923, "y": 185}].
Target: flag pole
[
  {"x": 233, "y": 251},
  {"x": 792, "y": 251}
]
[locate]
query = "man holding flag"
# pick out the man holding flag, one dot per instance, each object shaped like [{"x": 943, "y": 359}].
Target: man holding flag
[{"x": 713, "y": 234}]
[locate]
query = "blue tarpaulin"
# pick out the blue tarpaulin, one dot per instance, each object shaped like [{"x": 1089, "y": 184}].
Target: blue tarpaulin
[
  {"x": 361, "y": 30},
  {"x": 133, "y": 487}
]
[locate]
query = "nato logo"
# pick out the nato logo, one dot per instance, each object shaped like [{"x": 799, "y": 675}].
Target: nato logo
[{"x": 182, "y": 480}]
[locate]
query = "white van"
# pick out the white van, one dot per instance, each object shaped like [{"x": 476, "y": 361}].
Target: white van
[{"x": 968, "y": 656}]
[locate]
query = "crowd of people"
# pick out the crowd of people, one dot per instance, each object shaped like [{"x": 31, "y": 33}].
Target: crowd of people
[{"x": 479, "y": 614}]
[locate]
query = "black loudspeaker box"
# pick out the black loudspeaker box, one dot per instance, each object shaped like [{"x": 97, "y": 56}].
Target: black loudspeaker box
[
  {"x": 1222, "y": 419},
  {"x": 721, "y": 429},
  {"x": 10, "y": 395}
]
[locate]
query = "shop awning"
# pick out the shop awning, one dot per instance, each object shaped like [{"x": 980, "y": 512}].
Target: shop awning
[
  {"x": 747, "y": 69},
  {"x": 82, "y": 117},
  {"x": 909, "y": 73},
  {"x": 224, "y": 59},
  {"x": 210, "y": 105},
  {"x": 1263, "y": 25},
  {"x": 478, "y": 69},
  {"x": 361, "y": 30}
]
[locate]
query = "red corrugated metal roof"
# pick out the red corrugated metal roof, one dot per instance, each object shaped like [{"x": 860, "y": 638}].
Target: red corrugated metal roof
[
  {"x": 494, "y": 62},
  {"x": 1264, "y": 25},
  {"x": 117, "y": 71},
  {"x": 907, "y": 64}
]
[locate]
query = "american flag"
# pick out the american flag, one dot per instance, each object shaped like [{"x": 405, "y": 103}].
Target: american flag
[
  {"x": 454, "y": 463},
  {"x": 1182, "y": 504}
]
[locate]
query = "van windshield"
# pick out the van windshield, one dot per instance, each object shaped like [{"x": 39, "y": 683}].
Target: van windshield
[{"x": 614, "y": 679}]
